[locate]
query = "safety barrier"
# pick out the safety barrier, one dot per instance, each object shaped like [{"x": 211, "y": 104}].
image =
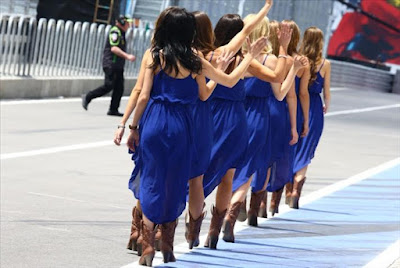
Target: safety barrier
[{"x": 49, "y": 48}]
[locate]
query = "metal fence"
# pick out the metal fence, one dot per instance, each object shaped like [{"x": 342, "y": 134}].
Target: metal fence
[{"x": 58, "y": 48}]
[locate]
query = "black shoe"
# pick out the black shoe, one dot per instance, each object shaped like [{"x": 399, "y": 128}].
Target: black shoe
[
  {"x": 85, "y": 103},
  {"x": 114, "y": 113}
]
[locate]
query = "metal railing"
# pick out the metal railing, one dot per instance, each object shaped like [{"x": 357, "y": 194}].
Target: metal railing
[{"x": 58, "y": 48}]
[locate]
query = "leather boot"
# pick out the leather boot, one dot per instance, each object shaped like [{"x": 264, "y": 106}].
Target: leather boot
[
  {"x": 157, "y": 239},
  {"x": 193, "y": 230},
  {"x": 215, "y": 228},
  {"x": 288, "y": 192},
  {"x": 229, "y": 223},
  {"x": 135, "y": 229},
  {"x": 262, "y": 212},
  {"x": 243, "y": 211},
  {"x": 254, "y": 208},
  {"x": 297, "y": 187},
  {"x": 167, "y": 241},
  {"x": 148, "y": 246},
  {"x": 275, "y": 200}
]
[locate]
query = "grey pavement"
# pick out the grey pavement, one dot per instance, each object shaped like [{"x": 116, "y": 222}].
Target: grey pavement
[{"x": 73, "y": 208}]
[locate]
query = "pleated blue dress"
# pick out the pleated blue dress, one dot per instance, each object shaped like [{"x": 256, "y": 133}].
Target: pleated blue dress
[
  {"x": 258, "y": 151},
  {"x": 230, "y": 136},
  {"x": 166, "y": 147},
  {"x": 306, "y": 146}
]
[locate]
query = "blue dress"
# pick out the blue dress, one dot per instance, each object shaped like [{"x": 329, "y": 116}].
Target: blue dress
[
  {"x": 258, "y": 123},
  {"x": 306, "y": 146},
  {"x": 165, "y": 147},
  {"x": 229, "y": 133}
]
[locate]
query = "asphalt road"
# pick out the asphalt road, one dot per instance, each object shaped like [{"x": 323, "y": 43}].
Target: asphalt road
[{"x": 69, "y": 206}]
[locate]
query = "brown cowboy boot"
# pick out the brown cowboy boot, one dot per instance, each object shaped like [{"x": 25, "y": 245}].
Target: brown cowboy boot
[
  {"x": 157, "y": 239},
  {"x": 230, "y": 220},
  {"x": 148, "y": 246},
  {"x": 215, "y": 228},
  {"x": 254, "y": 208},
  {"x": 297, "y": 187},
  {"x": 193, "y": 230},
  {"x": 262, "y": 212},
  {"x": 242, "y": 212},
  {"x": 135, "y": 229},
  {"x": 288, "y": 192},
  {"x": 275, "y": 200},
  {"x": 167, "y": 241}
]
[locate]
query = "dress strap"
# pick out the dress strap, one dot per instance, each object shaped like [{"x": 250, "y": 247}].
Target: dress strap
[
  {"x": 212, "y": 54},
  {"x": 322, "y": 65},
  {"x": 265, "y": 59}
]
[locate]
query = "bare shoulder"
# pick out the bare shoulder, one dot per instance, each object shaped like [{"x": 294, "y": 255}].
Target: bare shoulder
[{"x": 272, "y": 61}]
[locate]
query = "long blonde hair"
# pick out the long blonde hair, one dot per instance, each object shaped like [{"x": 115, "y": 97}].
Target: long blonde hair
[
  {"x": 312, "y": 48},
  {"x": 295, "y": 38},
  {"x": 273, "y": 37},
  {"x": 262, "y": 29}
]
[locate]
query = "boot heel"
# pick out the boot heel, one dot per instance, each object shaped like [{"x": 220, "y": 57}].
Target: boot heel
[
  {"x": 168, "y": 257},
  {"x": 252, "y": 220},
  {"x": 213, "y": 242},
  {"x": 139, "y": 249},
  {"x": 227, "y": 230},
  {"x": 134, "y": 245},
  {"x": 147, "y": 260},
  {"x": 294, "y": 202},
  {"x": 157, "y": 245}
]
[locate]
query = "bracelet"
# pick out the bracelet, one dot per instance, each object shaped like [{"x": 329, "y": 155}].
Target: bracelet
[
  {"x": 120, "y": 126},
  {"x": 282, "y": 56},
  {"x": 133, "y": 127}
]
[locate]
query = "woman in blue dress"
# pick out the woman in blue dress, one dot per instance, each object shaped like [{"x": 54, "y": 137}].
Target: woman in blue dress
[
  {"x": 204, "y": 42},
  {"x": 258, "y": 94},
  {"x": 319, "y": 82},
  {"x": 174, "y": 79}
]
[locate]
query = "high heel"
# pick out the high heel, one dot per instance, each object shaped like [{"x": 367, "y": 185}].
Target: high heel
[
  {"x": 229, "y": 223},
  {"x": 215, "y": 228},
  {"x": 254, "y": 208},
  {"x": 297, "y": 187},
  {"x": 148, "y": 246},
  {"x": 275, "y": 200},
  {"x": 167, "y": 241},
  {"x": 262, "y": 212},
  {"x": 242, "y": 212},
  {"x": 135, "y": 229}
]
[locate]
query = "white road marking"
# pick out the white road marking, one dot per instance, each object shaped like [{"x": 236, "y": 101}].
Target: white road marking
[
  {"x": 363, "y": 110},
  {"x": 386, "y": 258},
  {"x": 239, "y": 226},
  {"x": 47, "y": 101},
  {"x": 110, "y": 142}
]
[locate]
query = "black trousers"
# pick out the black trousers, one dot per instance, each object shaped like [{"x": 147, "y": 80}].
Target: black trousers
[{"x": 113, "y": 81}]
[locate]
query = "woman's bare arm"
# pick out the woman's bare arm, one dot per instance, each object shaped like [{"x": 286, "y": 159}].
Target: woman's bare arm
[
  {"x": 304, "y": 97},
  {"x": 291, "y": 100},
  {"x": 327, "y": 86}
]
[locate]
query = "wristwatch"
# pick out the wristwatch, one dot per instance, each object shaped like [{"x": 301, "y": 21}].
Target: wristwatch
[{"x": 133, "y": 127}]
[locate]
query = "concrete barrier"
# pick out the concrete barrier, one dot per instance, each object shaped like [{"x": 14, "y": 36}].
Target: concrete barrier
[{"x": 31, "y": 88}]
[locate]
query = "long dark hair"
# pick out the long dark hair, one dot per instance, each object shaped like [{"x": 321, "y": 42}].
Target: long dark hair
[
  {"x": 204, "y": 39},
  {"x": 174, "y": 34},
  {"x": 227, "y": 27},
  {"x": 311, "y": 47}
]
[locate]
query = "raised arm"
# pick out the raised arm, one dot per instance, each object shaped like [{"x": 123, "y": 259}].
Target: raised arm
[
  {"x": 230, "y": 80},
  {"x": 237, "y": 41},
  {"x": 291, "y": 100},
  {"x": 304, "y": 97},
  {"x": 327, "y": 86},
  {"x": 119, "y": 133},
  {"x": 141, "y": 106}
]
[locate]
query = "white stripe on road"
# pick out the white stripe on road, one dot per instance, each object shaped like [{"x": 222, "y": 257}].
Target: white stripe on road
[
  {"x": 239, "y": 226},
  {"x": 46, "y": 101},
  {"x": 108, "y": 142},
  {"x": 387, "y": 257},
  {"x": 363, "y": 110}
]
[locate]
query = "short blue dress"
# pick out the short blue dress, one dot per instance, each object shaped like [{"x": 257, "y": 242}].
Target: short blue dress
[
  {"x": 230, "y": 136},
  {"x": 306, "y": 146},
  {"x": 166, "y": 147}
]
